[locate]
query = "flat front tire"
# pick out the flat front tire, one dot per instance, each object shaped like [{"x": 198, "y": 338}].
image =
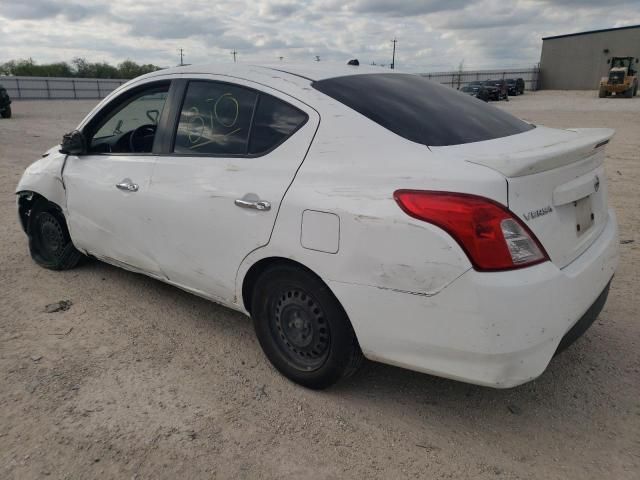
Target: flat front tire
[
  {"x": 302, "y": 328},
  {"x": 49, "y": 241}
]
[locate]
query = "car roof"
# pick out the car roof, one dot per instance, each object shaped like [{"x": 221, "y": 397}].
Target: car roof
[{"x": 311, "y": 71}]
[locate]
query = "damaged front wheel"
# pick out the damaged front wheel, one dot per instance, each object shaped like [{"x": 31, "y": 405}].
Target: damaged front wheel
[{"x": 49, "y": 241}]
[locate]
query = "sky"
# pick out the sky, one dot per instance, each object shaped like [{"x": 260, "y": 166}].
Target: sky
[{"x": 432, "y": 35}]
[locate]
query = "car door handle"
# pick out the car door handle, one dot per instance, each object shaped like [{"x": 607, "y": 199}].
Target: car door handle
[
  {"x": 256, "y": 205},
  {"x": 127, "y": 186}
]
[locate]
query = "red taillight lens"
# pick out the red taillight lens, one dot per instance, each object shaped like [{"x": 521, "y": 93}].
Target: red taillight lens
[{"x": 492, "y": 237}]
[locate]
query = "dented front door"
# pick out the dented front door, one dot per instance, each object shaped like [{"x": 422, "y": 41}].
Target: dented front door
[{"x": 109, "y": 208}]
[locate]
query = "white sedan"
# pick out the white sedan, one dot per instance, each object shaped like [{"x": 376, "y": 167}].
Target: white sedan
[{"x": 351, "y": 211}]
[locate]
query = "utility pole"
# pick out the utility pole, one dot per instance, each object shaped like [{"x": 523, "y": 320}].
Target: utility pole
[
  {"x": 181, "y": 55},
  {"x": 234, "y": 53},
  {"x": 393, "y": 60}
]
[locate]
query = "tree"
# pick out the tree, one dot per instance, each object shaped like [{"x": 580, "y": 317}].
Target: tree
[
  {"x": 79, "y": 67},
  {"x": 130, "y": 69}
]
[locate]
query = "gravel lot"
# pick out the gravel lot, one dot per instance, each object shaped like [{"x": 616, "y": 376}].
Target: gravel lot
[{"x": 138, "y": 379}]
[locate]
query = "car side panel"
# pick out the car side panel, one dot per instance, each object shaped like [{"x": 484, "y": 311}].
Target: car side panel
[
  {"x": 200, "y": 235},
  {"x": 352, "y": 170}
]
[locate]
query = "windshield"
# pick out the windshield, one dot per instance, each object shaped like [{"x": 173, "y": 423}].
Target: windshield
[
  {"x": 420, "y": 110},
  {"x": 621, "y": 62}
]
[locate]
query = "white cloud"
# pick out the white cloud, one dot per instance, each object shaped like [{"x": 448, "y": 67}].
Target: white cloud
[{"x": 432, "y": 34}]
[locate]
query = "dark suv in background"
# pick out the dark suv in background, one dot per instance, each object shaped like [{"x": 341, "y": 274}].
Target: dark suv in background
[
  {"x": 515, "y": 85},
  {"x": 5, "y": 103},
  {"x": 496, "y": 92},
  {"x": 476, "y": 89}
]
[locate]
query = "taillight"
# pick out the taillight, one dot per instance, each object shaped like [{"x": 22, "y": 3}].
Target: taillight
[{"x": 492, "y": 237}]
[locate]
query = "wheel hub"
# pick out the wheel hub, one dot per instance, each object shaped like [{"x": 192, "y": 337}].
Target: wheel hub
[
  {"x": 300, "y": 329},
  {"x": 296, "y": 326},
  {"x": 51, "y": 236}
]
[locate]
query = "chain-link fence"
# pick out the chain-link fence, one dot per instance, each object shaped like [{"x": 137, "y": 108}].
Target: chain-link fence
[
  {"x": 42, "y": 88},
  {"x": 461, "y": 78}
]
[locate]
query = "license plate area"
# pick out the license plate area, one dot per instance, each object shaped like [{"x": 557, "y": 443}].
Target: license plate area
[{"x": 584, "y": 215}]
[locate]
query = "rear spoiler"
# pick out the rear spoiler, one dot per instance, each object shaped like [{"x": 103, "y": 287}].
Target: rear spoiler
[{"x": 534, "y": 151}]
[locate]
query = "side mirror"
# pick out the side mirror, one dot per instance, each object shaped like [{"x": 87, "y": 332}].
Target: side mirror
[
  {"x": 637, "y": 60},
  {"x": 73, "y": 143},
  {"x": 608, "y": 61}
]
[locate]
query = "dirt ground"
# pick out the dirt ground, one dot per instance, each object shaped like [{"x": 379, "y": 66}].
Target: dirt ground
[{"x": 140, "y": 380}]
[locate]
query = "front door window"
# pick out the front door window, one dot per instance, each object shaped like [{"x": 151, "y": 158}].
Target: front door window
[{"x": 130, "y": 126}]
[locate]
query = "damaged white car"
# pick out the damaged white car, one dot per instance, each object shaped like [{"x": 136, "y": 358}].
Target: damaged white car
[{"x": 351, "y": 211}]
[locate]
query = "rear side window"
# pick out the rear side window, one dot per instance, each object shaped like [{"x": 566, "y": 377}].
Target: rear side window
[
  {"x": 215, "y": 119},
  {"x": 420, "y": 110},
  {"x": 273, "y": 122}
]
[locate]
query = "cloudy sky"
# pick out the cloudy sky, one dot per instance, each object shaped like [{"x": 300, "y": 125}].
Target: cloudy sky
[{"x": 432, "y": 35}]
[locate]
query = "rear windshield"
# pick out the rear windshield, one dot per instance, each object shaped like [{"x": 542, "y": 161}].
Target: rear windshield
[{"x": 420, "y": 110}]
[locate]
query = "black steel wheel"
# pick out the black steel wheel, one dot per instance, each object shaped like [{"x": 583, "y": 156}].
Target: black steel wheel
[
  {"x": 49, "y": 241},
  {"x": 302, "y": 328}
]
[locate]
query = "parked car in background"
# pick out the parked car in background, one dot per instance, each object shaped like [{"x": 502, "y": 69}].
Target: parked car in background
[
  {"x": 476, "y": 89},
  {"x": 503, "y": 89},
  {"x": 493, "y": 92},
  {"x": 5, "y": 103},
  {"x": 515, "y": 86},
  {"x": 469, "y": 90},
  {"x": 350, "y": 211},
  {"x": 483, "y": 93}
]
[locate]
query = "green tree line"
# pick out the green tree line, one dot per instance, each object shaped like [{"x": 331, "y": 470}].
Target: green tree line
[{"x": 79, "y": 67}]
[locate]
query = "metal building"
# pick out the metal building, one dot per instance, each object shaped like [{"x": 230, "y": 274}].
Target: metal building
[{"x": 577, "y": 61}]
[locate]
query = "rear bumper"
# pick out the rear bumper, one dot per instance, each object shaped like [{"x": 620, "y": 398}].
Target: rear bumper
[
  {"x": 585, "y": 321},
  {"x": 496, "y": 329}
]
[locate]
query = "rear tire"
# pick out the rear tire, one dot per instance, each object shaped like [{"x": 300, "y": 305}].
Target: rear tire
[
  {"x": 602, "y": 93},
  {"x": 49, "y": 241},
  {"x": 628, "y": 93},
  {"x": 302, "y": 328},
  {"x": 6, "y": 113}
]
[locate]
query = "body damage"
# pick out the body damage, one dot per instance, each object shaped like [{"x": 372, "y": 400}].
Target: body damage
[
  {"x": 380, "y": 246},
  {"x": 44, "y": 177},
  {"x": 407, "y": 286}
]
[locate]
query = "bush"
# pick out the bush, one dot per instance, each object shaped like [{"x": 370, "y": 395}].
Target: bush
[{"x": 79, "y": 67}]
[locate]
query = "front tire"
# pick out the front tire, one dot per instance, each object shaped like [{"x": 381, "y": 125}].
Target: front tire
[
  {"x": 6, "y": 113},
  {"x": 302, "y": 328},
  {"x": 49, "y": 241}
]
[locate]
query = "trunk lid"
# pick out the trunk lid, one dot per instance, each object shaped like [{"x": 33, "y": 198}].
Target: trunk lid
[{"x": 556, "y": 183}]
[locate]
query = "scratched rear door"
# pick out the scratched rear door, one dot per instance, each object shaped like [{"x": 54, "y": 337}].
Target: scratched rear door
[{"x": 236, "y": 150}]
